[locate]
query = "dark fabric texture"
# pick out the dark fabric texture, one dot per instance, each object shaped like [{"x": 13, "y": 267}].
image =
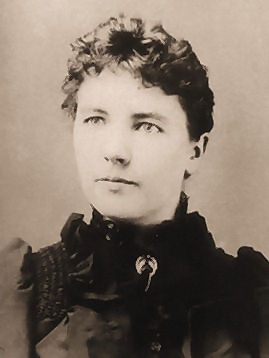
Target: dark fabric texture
[{"x": 196, "y": 291}]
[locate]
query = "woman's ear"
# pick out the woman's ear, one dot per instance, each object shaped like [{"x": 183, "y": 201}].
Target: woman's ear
[
  {"x": 199, "y": 147},
  {"x": 198, "y": 150}
]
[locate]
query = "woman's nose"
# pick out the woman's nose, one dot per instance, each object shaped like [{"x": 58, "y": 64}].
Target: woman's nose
[
  {"x": 117, "y": 149},
  {"x": 120, "y": 160}
]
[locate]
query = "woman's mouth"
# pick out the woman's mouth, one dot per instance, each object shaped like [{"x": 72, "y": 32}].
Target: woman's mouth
[{"x": 117, "y": 180}]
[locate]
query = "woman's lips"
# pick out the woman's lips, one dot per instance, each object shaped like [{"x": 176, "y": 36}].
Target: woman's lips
[{"x": 117, "y": 180}]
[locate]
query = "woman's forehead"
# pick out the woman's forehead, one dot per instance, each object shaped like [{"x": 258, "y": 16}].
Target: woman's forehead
[{"x": 121, "y": 90}]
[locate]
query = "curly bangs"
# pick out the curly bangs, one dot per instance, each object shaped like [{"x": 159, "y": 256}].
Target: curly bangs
[{"x": 152, "y": 55}]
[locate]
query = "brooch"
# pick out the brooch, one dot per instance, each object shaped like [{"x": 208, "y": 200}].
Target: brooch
[{"x": 146, "y": 263}]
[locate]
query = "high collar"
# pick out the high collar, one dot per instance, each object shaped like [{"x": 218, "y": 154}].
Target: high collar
[{"x": 116, "y": 230}]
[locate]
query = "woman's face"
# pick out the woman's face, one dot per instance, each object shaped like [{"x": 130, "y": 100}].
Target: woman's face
[{"x": 132, "y": 147}]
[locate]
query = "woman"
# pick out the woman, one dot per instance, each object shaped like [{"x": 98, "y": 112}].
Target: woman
[{"x": 144, "y": 278}]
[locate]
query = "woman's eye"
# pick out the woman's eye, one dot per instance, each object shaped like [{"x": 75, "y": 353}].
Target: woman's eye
[
  {"x": 94, "y": 120},
  {"x": 148, "y": 127}
]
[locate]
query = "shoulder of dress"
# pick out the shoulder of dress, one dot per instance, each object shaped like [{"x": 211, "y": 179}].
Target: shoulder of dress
[
  {"x": 12, "y": 260},
  {"x": 254, "y": 266},
  {"x": 14, "y": 300},
  {"x": 250, "y": 254}
]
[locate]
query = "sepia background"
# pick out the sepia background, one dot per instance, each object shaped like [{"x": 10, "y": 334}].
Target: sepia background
[{"x": 39, "y": 183}]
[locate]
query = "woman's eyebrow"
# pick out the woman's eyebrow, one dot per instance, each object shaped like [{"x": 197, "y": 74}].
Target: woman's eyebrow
[
  {"x": 98, "y": 110},
  {"x": 144, "y": 115}
]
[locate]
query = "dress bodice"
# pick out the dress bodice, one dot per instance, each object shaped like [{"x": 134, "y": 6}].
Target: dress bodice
[{"x": 116, "y": 290}]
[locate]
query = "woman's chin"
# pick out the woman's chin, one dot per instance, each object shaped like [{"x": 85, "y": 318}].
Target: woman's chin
[{"x": 118, "y": 211}]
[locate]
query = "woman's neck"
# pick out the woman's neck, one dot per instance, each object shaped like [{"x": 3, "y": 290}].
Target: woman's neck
[{"x": 154, "y": 218}]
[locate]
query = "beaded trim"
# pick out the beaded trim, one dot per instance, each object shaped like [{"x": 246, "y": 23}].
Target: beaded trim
[{"x": 50, "y": 284}]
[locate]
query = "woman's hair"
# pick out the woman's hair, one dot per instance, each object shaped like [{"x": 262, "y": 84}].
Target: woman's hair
[{"x": 152, "y": 55}]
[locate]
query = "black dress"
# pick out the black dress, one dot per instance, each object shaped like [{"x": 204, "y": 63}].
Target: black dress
[{"x": 117, "y": 290}]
